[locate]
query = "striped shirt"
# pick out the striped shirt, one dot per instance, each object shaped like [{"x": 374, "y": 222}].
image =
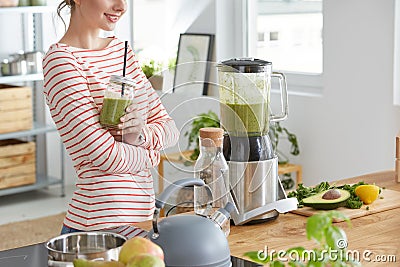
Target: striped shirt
[{"x": 114, "y": 186}]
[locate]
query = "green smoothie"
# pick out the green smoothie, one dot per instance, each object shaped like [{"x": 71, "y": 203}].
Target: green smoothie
[
  {"x": 248, "y": 119},
  {"x": 113, "y": 109}
]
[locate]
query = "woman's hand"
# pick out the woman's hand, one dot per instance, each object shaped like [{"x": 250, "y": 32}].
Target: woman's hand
[{"x": 130, "y": 128}]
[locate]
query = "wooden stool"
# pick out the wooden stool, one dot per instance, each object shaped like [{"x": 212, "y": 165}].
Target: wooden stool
[{"x": 289, "y": 168}]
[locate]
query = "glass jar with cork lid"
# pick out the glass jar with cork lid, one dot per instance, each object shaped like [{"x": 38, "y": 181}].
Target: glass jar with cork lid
[{"x": 212, "y": 168}]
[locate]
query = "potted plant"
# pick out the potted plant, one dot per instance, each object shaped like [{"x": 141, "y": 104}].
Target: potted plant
[
  {"x": 152, "y": 70},
  {"x": 276, "y": 133}
]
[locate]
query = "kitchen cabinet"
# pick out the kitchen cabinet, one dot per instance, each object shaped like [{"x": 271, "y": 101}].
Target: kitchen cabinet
[{"x": 31, "y": 25}]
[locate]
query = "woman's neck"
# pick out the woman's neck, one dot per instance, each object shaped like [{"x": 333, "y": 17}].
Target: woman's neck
[{"x": 86, "y": 38}]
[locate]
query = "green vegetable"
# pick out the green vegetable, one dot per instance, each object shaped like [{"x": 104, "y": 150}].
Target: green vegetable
[
  {"x": 321, "y": 202},
  {"x": 327, "y": 236},
  {"x": 302, "y": 192},
  {"x": 354, "y": 202}
]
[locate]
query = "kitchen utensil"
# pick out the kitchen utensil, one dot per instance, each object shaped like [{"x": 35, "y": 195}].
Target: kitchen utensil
[
  {"x": 36, "y": 256},
  {"x": 191, "y": 240},
  {"x": 62, "y": 250},
  {"x": 244, "y": 91},
  {"x": 5, "y": 68},
  {"x": 18, "y": 67},
  {"x": 13, "y": 67},
  {"x": 34, "y": 61}
]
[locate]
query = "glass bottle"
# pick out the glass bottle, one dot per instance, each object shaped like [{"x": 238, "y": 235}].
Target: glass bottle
[{"x": 212, "y": 168}]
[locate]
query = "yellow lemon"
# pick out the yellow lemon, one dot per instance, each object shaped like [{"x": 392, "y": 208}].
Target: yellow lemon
[{"x": 367, "y": 193}]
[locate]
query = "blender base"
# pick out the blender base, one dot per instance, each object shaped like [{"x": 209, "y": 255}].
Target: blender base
[
  {"x": 269, "y": 217},
  {"x": 272, "y": 216}
]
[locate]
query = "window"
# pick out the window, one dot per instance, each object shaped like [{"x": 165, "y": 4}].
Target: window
[
  {"x": 289, "y": 34},
  {"x": 151, "y": 25},
  {"x": 294, "y": 31}
]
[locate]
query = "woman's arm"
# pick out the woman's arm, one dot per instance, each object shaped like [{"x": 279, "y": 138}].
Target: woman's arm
[
  {"x": 77, "y": 118},
  {"x": 159, "y": 131}
]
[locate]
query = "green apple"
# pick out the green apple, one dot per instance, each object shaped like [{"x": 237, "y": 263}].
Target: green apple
[
  {"x": 139, "y": 245},
  {"x": 145, "y": 260},
  {"x": 87, "y": 263}
]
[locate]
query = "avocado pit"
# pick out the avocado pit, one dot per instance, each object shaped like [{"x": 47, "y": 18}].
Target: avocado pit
[{"x": 331, "y": 194}]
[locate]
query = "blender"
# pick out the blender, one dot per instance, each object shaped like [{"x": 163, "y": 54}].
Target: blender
[{"x": 244, "y": 89}]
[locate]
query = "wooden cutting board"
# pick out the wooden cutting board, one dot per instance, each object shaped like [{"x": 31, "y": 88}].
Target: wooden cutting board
[{"x": 390, "y": 200}]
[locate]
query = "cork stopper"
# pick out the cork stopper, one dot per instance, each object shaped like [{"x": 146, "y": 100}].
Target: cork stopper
[{"x": 212, "y": 136}]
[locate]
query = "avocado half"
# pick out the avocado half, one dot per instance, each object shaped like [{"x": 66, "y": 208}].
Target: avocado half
[{"x": 320, "y": 201}]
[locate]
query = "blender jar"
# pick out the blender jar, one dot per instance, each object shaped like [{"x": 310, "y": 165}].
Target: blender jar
[{"x": 244, "y": 88}]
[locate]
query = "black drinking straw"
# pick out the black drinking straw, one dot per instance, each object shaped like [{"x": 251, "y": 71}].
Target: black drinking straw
[{"x": 124, "y": 69}]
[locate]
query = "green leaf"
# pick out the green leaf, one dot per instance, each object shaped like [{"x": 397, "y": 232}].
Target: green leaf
[
  {"x": 277, "y": 264},
  {"x": 315, "y": 264},
  {"x": 335, "y": 238},
  {"x": 316, "y": 225}
]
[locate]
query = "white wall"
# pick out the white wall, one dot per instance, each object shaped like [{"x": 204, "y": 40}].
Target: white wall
[{"x": 350, "y": 130}]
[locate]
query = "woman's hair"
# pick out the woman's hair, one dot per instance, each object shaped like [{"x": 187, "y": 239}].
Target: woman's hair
[{"x": 65, "y": 3}]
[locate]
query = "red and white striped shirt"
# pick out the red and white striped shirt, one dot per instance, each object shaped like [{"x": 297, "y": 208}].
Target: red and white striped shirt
[{"x": 114, "y": 184}]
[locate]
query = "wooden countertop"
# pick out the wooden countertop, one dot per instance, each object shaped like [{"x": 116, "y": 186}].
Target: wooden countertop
[{"x": 378, "y": 233}]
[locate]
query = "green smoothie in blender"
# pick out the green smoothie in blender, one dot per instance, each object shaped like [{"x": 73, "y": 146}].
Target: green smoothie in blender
[{"x": 251, "y": 118}]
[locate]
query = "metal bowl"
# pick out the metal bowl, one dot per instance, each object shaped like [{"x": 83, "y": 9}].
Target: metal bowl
[{"x": 85, "y": 245}]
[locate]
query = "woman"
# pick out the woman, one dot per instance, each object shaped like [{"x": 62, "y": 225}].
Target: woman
[{"x": 114, "y": 187}]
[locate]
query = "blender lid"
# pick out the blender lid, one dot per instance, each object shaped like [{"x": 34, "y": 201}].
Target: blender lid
[{"x": 245, "y": 65}]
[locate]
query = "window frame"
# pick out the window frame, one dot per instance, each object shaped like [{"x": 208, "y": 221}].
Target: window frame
[{"x": 298, "y": 83}]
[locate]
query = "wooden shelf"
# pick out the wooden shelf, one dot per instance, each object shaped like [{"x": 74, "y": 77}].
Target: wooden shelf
[
  {"x": 21, "y": 78},
  {"x": 38, "y": 128},
  {"x": 41, "y": 182},
  {"x": 31, "y": 21}
]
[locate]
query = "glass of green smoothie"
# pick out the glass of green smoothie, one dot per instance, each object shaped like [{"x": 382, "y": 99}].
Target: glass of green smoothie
[{"x": 118, "y": 96}]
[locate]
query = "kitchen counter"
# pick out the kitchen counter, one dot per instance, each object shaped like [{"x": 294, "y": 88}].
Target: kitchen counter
[
  {"x": 375, "y": 235},
  {"x": 378, "y": 233}
]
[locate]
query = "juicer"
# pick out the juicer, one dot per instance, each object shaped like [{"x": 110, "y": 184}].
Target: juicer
[{"x": 254, "y": 184}]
